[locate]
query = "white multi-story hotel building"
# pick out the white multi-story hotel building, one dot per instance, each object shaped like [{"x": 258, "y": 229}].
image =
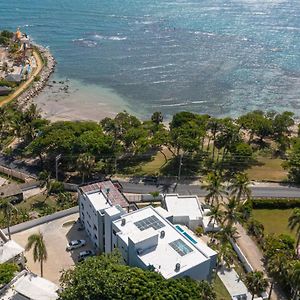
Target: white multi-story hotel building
[{"x": 145, "y": 237}]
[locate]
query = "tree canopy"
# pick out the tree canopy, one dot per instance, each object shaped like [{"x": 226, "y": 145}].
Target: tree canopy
[{"x": 104, "y": 277}]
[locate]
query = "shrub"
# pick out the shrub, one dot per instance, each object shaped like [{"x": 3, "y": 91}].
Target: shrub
[
  {"x": 56, "y": 187},
  {"x": 37, "y": 78},
  {"x": 275, "y": 203},
  {"x": 7, "y": 272}
]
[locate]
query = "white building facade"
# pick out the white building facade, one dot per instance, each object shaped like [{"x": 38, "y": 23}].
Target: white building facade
[
  {"x": 94, "y": 200},
  {"x": 145, "y": 237}
]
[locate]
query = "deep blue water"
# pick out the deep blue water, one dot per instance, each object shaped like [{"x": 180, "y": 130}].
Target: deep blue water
[{"x": 208, "y": 56}]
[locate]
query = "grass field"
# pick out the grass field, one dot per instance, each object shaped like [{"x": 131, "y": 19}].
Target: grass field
[
  {"x": 274, "y": 220},
  {"x": 222, "y": 293},
  {"x": 269, "y": 169},
  {"x": 158, "y": 161}
]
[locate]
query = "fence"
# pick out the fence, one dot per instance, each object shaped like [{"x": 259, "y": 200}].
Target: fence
[
  {"x": 16, "y": 174},
  {"x": 42, "y": 220}
]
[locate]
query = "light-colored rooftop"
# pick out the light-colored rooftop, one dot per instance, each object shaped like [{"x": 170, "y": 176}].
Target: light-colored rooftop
[
  {"x": 110, "y": 189},
  {"x": 8, "y": 248},
  {"x": 183, "y": 206},
  {"x": 162, "y": 255},
  {"x": 33, "y": 287},
  {"x": 98, "y": 200}
]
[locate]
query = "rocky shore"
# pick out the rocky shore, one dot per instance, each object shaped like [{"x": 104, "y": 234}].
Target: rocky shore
[{"x": 36, "y": 87}]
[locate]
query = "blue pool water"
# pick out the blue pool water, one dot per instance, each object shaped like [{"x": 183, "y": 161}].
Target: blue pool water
[
  {"x": 181, "y": 230},
  {"x": 210, "y": 56}
]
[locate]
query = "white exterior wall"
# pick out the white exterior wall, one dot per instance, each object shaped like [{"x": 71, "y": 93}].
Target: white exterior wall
[
  {"x": 92, "y": 221},
  {"x": 198, "y": 272}
]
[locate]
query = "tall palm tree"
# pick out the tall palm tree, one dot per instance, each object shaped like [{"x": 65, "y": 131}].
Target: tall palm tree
[
  {"x": 256, "y": 283},
  {"x": 36, "y": 241},
  {"x": 85, "y": 164},
  {"x": 8, "y": 209},
  {"x": 214, "y": 187},
  {"x": 294, "y": 224},
  {"x": 239, "y": 186},
  {"x": 232, "y": 213}
]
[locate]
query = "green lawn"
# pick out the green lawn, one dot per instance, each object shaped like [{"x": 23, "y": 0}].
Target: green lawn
[
  {"x": 269, "y": 169},
  {"x": 222, "y": 293},
  {"x": 274, "y": 220},
  {"x": 154, "y": 166}
]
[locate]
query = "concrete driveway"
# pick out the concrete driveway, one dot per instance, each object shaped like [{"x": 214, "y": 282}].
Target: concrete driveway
[{"x": 57, "y": 234}]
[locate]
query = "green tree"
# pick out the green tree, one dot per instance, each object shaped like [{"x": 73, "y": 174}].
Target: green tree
[
  {"x": 293, "y": 162},
  {"x": 256, "y": 283},
  {"x": 294, "y": 224},
  {"x": 216, "y": 215},
  {"x": 215, "y": 188},
  {"x": 7, "y": 272},
  {"x": 256, "y": 229},
  {"x": 239, "y": 186},
  {"x": 103, "y": 277},
  {"x": 37, "y": 243},
  {"x": 295, "y": 277},
  {"x": 85, "y": 164},
  {"x": 8, "y": 209}
]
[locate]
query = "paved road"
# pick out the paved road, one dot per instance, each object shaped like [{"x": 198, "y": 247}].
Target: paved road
[{"x": 270, "y": 191}]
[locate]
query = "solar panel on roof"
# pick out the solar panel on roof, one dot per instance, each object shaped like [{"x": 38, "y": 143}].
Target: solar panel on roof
[
  {"x": 148, "y": 222},
  {"x": 180, "y": 247}
]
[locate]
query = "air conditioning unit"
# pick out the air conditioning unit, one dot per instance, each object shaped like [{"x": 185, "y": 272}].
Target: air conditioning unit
[
  {"x": 123, "y": 222},
  {"x": 139, "y": 251},
  {"x": 162, "y": 234},
  {"x": 177, "y": 267}
]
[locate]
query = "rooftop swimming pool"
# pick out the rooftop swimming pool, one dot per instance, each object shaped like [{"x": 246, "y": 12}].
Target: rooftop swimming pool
[{"x": 181, "y": 230}]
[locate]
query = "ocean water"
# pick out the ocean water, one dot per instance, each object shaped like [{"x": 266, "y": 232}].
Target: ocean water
[{"x": 222, "y": 57}]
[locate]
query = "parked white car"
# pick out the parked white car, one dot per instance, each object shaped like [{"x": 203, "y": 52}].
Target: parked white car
[
  {"x": 75, "y": 244},
  {"x": 85, "y": 254}
]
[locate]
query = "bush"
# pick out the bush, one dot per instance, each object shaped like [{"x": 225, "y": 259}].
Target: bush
[
  {"x": 56, "y": 187},
  {"x": 7, "y": 272},
  {"x": 279, "y": 203},
  {"x": 7, "y": 83},
  {"x": 37, "y": 78}
]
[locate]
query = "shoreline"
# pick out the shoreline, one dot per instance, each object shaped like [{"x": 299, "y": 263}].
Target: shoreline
[{"x": 44, "y": 57}]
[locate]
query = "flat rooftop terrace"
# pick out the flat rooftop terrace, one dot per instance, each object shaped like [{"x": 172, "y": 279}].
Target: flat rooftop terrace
[
  {"x": 183, "y": 205},
  {"x": 113, "y": 194},
  {"x": 170, "y": 249}
]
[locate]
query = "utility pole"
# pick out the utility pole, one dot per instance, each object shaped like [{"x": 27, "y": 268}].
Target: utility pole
[
  {"x": 57, "y": 158},
  {"x": 180, "y": 165}
]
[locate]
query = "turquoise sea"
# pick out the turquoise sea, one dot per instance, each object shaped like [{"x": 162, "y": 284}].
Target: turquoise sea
[{"x": 222, "y": 57}]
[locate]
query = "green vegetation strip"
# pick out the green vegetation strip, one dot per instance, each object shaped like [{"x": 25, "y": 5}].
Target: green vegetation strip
[{"x": 279, "y": 203}]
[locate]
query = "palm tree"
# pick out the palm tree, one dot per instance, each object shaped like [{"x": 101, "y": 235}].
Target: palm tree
[
  {"x": 232, "y": 213},
  {"x": 36, "y": 241},
  {"x": 295, "y": 278},
  {"x": 7, "y": 209},
  {"x": 294, "y": 224},
  {"x": 214, "y": 187},
  {"x": 85, "y": 164},
  {"x": 239, "y": 186},
  {"x": 216, "y": 215},
  {"x": 256, "y": 283}
]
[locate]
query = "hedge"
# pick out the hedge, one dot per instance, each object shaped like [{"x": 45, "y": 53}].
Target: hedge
[{"x": 275, "y": 203}]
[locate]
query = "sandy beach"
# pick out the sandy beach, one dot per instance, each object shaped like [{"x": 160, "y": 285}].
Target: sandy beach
[{"x": 64, "y": 99}]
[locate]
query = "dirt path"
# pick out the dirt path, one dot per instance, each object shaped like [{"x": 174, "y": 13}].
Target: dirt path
[
  {"x": 26, "y": 84},
  {"x": 254, "y": 256}
]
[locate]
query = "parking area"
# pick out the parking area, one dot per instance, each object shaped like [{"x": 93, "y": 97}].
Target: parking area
[{"x": 57, "y": 235}]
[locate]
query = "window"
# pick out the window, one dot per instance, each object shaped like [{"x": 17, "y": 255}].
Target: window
[
  {"x": 114, "y": 232},
  {"x": 82, "y": 206},
  {"x": 146, "y": 223},
  {"x": 95, "y": 237},
  {"x": 95, "y": 228},
  {"x": 180, "y": 247}
]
